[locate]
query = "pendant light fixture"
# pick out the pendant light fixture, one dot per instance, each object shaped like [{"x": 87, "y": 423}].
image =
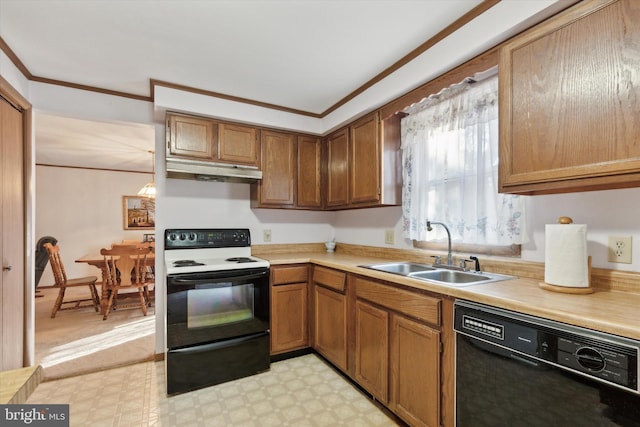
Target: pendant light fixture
[{"x": 149, "y": 190}]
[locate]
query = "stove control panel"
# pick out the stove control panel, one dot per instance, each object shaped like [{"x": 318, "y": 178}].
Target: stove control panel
[{"x": 189, "y": 238}]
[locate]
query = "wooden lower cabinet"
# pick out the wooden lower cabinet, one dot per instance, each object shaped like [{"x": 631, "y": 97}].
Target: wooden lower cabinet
[
  {"x": 330, "y": 321},
  {"x": 397, "y": 350},
  {"x": 372, "y": 350},
  {"x": 330, "y": 337},
  {"x": 289, "y": 308},
  {"x": 415, "y": 372},
  {"x": 289, "y": 318}
]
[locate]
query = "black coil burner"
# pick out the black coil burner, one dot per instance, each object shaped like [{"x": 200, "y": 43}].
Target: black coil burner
[
  {"x": 186, "y": 263},
  {"x": 240, "y": 259}
]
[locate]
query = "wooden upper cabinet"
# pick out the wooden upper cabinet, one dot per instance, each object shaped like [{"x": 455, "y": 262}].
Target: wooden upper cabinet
[
  {"x": 277, "y": 187},
  {"x": 238, "y": 144},
  {"x": 363, "y": 164},
  {"x": 569, "y": 104},
  {"x": 191, "y": 137},
  {"x": 365, "y": 160},
  {"x": 309, "y": 173},
  {"x": 291, "y": 172},
  {"x": 337, "y": 187}
]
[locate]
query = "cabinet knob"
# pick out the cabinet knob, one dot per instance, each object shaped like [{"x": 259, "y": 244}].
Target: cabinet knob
[{"x": 6, "y": 268}]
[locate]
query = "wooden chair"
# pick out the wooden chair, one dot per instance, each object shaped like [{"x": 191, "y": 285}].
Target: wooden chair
[
  {"x": 126, "y": 268},
  {"x": 150, "y": 246},
  {"x": 63, "y": 283}
]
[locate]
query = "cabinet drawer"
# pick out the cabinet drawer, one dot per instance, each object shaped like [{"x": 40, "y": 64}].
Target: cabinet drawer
[
  {"x": 284, "y": 275},
  {"x": 412, "y": 304},
  {"x": 330, "y": 278}
]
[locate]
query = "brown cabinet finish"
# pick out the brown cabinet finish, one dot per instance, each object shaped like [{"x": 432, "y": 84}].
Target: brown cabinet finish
[
  {"x": 372, "y": 350},
  {"x": 309, "y": 176},
  {"x": 330, "y": 322},
  {"x": 200, "y": 138},
  {"x": 277, "y": 187},
  {"x": 329, "y": 278},
  {"x": 285, "y": 275},
  {"x": 397, "y": 352},
  {"x": 238, "y": 144},
  {"x": 289, "y": 327},
  {"x": 337, "y": 187},
  {"x": 191, "y": 137},
  {"x": 291, "y": 172},
  {"x": 568, "y": 104},
  {"x": 364, "y": 173},
  {"x": 289, "y": 308},
  {"x": 418, "y": 306},
  {"x": 330, "y": 315},
  {"x": 363, "y": 164},
  {"x": 415, "y": 372}
]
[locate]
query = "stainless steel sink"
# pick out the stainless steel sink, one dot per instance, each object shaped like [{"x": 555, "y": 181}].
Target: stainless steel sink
[
  {"x": 450, "y": 276},
  {"x": 439, "y": 274},
  {"x": 402, "y": 268},
  {"x": 459, "y": 278}
]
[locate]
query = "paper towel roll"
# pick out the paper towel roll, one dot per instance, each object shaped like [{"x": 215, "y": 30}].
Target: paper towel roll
[{"x": 566, "y": 260}]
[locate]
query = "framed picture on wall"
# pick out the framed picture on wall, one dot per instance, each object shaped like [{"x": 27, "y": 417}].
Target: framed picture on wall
[{"x": 138, "y": 213}]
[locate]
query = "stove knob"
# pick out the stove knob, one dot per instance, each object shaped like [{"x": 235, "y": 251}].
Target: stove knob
[
  {"x": 172, "y": 236},
  {"x": 183, "y": 236},
  {"x": 192, "y": 237}
]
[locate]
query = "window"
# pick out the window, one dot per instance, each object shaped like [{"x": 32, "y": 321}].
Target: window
[{"x": 450, "y": 167}]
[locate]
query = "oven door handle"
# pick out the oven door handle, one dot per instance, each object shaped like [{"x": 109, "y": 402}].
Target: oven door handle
[
  {"x": 202, "y": 279},
  {"x": 203, "y": 348}
]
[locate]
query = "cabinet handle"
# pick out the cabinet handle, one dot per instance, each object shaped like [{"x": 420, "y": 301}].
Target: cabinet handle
[{"x": 6, "y": 268}]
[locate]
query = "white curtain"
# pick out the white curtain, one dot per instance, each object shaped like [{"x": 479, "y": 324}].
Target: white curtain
[{"x": 450, "y": 169}]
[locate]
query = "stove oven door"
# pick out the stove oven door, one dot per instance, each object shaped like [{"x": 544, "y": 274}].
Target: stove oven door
[{"x": 213, "y": 306}]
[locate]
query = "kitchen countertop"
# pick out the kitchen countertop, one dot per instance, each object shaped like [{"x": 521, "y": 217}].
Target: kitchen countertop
[{"x": 614, "y": 312}]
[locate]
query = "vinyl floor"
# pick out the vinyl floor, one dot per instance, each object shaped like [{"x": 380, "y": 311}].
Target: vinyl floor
[{"x": 302, "y": 391}]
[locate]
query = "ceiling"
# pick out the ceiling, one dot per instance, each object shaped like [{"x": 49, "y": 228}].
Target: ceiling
[{"x": 305, "y": 55}]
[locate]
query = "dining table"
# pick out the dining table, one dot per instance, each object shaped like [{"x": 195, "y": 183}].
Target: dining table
[{"x": 97, "y": 260}]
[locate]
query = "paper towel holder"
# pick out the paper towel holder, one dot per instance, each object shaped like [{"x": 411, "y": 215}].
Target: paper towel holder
[{"x": 564, "y": 289}]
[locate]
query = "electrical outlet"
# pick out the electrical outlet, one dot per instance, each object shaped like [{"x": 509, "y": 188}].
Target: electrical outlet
[
  {"x": 266, "y": 235},
  {"x": 388, "y": 237},
  {"x": 620, "y": 249}
]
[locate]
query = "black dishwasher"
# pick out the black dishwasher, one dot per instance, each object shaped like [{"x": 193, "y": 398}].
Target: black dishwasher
[{"x": 518, "y": 370}]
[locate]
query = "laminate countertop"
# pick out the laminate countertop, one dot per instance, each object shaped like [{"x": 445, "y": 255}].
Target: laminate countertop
[{"x": 615, "y": 312}]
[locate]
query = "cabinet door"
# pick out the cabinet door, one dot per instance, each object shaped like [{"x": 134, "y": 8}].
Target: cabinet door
[
  {"x": 372, "y": 349},
  {"x": 289, "y": 318},
  {"x": 309, "y": 172},
  {"x": 330, "y": 332},
  {"x": 569, "y": 104},
  {"x": 278, "y": 168},
  {"x": 415, "y": 372},
  {"x": 338, "y": 169},
  {"x": 191, "y": 137},
  {"x": 238, "y": 144},
  {"x": 365, "y": 161}
]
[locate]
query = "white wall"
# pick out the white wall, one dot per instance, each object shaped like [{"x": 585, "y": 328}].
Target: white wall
[
  {"x": 82, "y": 208},
  {"x": 606, "y": 213}
]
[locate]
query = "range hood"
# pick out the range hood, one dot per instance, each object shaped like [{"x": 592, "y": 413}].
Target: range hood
[{"x": 210, "y": 171}]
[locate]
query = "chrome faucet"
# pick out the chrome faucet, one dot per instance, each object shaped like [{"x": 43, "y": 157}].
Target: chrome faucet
[{"x": 429, "y": 228}]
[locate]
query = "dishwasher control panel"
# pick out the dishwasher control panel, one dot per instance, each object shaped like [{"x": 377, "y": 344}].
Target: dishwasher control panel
[{"x": 605, "y": 357}]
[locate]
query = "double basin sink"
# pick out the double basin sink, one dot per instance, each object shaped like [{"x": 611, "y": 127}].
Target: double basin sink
[{"x": 440, "y": 275}]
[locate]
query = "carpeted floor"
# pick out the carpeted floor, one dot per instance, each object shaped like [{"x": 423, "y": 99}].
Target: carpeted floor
[{"x": 79, "y": 341}]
